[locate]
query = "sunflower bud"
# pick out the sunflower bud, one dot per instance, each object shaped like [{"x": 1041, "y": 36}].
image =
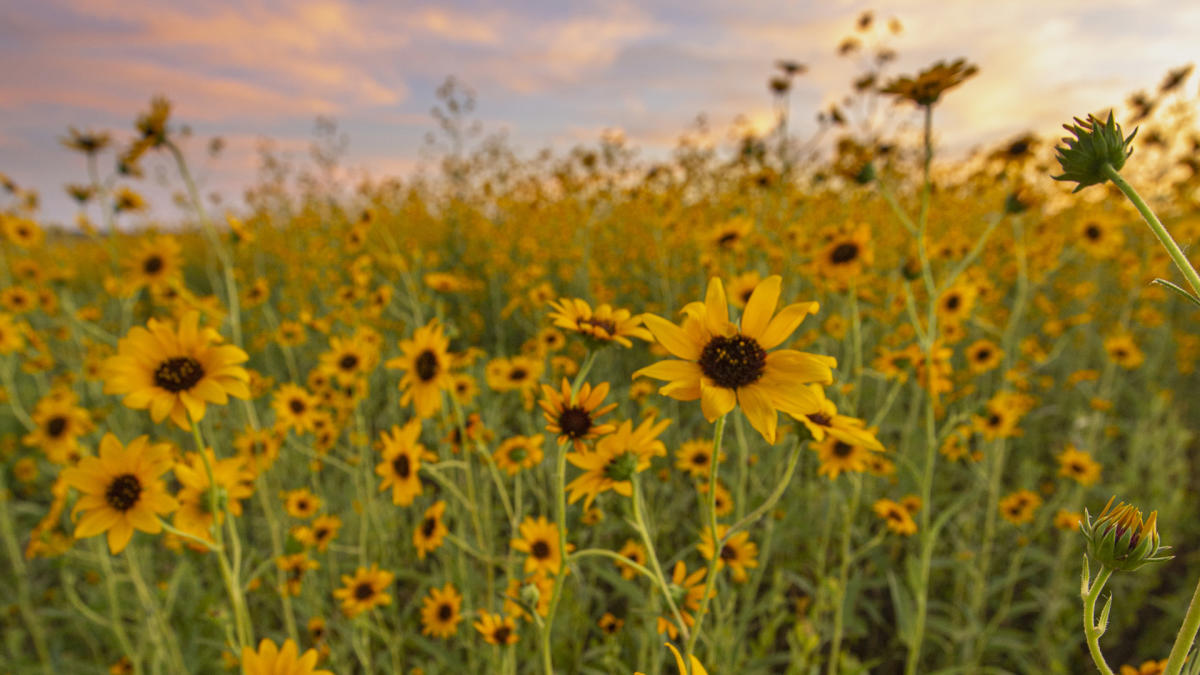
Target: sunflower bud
[
  {"x": 1120, "y": 540},
  {"x": 1095, "y": 144}
]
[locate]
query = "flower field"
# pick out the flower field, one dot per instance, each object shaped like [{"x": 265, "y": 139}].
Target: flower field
[{"x": 759, "y": 412}]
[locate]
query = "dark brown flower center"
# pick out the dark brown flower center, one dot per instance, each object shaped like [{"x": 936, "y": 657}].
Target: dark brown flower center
[
  {"x": 401, "y": 466},
  {"x": 540, "y": 550},
  {"x": 844, "y": 253},
  {"x": 953, "y": 302},
  {"x": 426, "y": 365},
  {"x": 843, "y": 449},
  {"x": 296, "y": 405},
  {"x": 348, "y": 362},
  {"x": 701, "y": 458},
  {"x": 178, "y": 374},
  {"x": 518, "y": 374},
  {"x": 123, "y": 492},
  {"x": 607, "y": 325},
  {"x": 575, "y": 422},
  {"x": 364, "y": 591},
  {"x": 428, "y": 527},
  {"x": 152, "y": 265},
  {"x": 1092, "y": 232},
  {"x": 732, "y": 362},
  {"x": 983, "y": 354},
  {"x": 444, "y": 612},
  {"x": 820, "y": 419},
  {"x": 56, "y": 426},
  {"x": 728, "y": 553},
  {"x": 501, "y": 634}
]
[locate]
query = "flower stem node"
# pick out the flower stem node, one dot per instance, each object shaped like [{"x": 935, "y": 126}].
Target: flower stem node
[
  {"x": 1095, "y": 144},
  {"x": 1119, "y": 539}
]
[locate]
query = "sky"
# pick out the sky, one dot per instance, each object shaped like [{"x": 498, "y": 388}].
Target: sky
[{"x": 547, "y": 73}]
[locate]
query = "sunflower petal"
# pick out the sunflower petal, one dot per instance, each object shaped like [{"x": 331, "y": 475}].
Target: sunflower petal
[
  {"x": 786, "y": 322},
  {"x": 672, "y": 337},
  {"x": 716, "y": 401},
  {"x": 760, "y": 306}
]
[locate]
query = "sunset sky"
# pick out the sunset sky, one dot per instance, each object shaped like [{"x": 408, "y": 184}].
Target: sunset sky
[{"x": 550, "y": 73}]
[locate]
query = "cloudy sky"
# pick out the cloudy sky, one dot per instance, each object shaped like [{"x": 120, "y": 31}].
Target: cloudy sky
[{"x": 549, "y": 73}]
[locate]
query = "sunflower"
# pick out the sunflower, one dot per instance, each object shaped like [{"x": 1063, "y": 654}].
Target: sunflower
[
  {"x": 58, "y": 425},
  {"x": 519, "y": 452},
  {"x": 1124, "y": 351},
  {"x": 616, "y": 458},
  {"x": 301, "y": 503},
  {"x": 694, "y": 457},
  {"x": 1067, "y": 521},
  {"x": 898, "y": 518},
  {"x": 1018, "y": 508},
  {"x": 1078, "y": 465},
  {"x": 724, "y": 499},
  {"x": 260, "y": 447},
  {"x": 122, "y": 490},
  {"x": 931, "y": 83},
  {"x": 539, "y": 539},
  {"x": 324, "y": 529},
  {"x": 956, "y": 303},
  {"x": 496, "y": 629},
  {"x": 633, "y": 551},
  {"x": 1100, "y": 239},
  {"x": 519, "y": 372},
  {"x": 610, "y": 624},
  {"x": 364, "y": 591},
  {"x": 826, "y": 421},
  {"x": 838, "y": 456},
  {"x": 847, "y": 251},
  {"x": 729, "y": 235},
  {"x": 402, "y": 455},
  {"x": 290, "y": 333},
  {"x": 234, "y": 482},
  {"x": 739, "y": 553},
  {"x": 294, "y": 566},
  {"x": 428, "y": 536},
  {"x": 176, "y": 372},
  {"x": 294, "y": 407},
  {"x": 725, "y": 365},
  {"x": 271, "y": 660},
  {"x": 22, "y": 231},
  {"x": 440, "y": 612},
  {"x": 426, "y": 365},
  {"x": 156, "y": 262},
  {"x": 984, "y": 355},
  {"x": 602, "y": 325},
  {"x": 687, "y": 591},
  {"x": 575, "y": 417},
  {"x": 349, "y": 359}
]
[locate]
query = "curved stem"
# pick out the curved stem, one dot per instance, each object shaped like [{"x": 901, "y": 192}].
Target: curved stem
[
  {"x": 1090, "y": 629},
  {"x": 1157, "y": 227},
  {"x": 710, "y": 577},
  {"x": 639, "y": 523}
]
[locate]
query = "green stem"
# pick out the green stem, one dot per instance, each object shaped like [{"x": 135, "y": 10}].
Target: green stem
[
  {"x": 639, "y": 523},
  {"x": 839, "y": 610},
  {"x": 710, "y": 577},
  {"x": 20, "y": 574},
  {"x": 1156, "y": 226},
  {"x": 1090, "y": 629},
  {"x": 1187, "y": 635}
]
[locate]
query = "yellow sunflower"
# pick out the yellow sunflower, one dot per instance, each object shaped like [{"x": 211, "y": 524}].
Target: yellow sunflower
[
  {"x": 59, "y": 423},
  {"x": 519, "y": 452},
  {"x": 727, "y": 365},
  {"x": 426, "y": 365},
  {"x": 155, "y": 262},
  {"x": 440, "y": 612},
  {"x": 574, "y": 418},
  {"x": 428, "y": 536},
  {"x": 295, "y": 408},
  {"x": 402, "y": 456},
  {"x": 497, "y": 629},
  {"x": 539, "y": 539},
  {"x": 604, "y": 324},
  {"x": 122, "y": 490},
  {"x": 616, "y": 458},
  {"x": 233, "y": 481},
  {"x": 176, "y": 372},
  {"x": 897, "y": 518},
  {"x": 271, "y": 660},
  {"x": 365, "y": 590},
  {"x": 739, "y": 553},
  {"x": 294, "y": 567},
  {"x": 826, "y": 421}
]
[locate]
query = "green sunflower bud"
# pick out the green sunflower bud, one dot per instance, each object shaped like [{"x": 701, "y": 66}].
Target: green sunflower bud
[
  {"x": 1119, "y": 539},
  {"x": 1095, "y": 144}
]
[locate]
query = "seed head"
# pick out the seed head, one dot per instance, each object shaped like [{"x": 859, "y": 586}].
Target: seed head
[{"x": 1095, "y": 144}]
